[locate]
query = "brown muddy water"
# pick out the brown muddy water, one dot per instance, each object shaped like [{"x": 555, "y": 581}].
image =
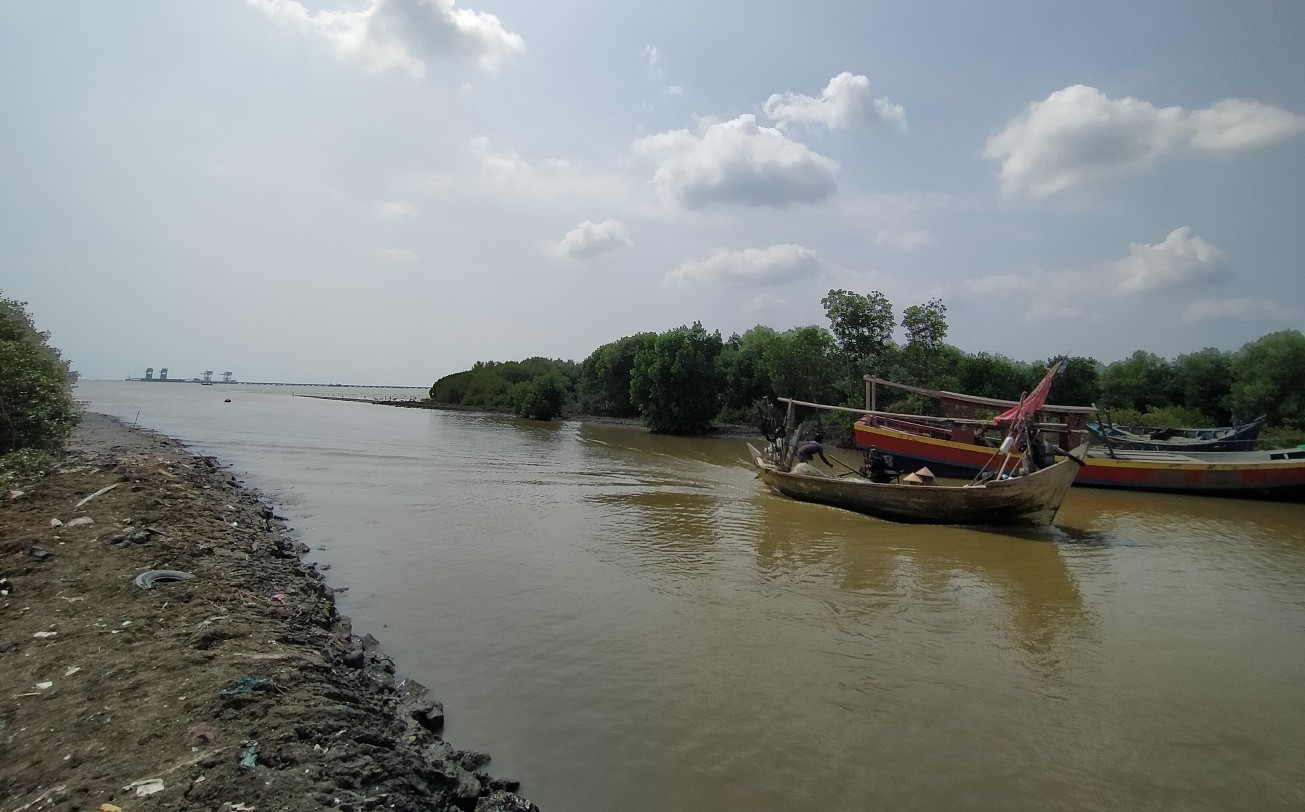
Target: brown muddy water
[{"x": 633, "y": 622}]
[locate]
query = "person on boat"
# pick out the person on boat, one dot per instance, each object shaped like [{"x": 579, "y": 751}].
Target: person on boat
[
  {"x": 1038, "y": 453},
  {"x": 1044, "y": 452},
  {"x": 809, "y": 449}
]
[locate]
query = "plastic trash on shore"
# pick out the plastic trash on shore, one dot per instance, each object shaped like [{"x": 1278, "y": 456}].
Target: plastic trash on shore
[
  {"x": 248, "y": 684},
  {"x": 146, "y": 786},
  {"x": 100, "y": 492},
  {"x": 249, "y": 758}
]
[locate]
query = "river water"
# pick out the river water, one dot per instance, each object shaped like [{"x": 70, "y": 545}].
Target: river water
[{"x": 630, "y": 622}]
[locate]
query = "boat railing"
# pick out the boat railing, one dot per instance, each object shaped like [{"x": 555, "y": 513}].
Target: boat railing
[
  {"x": 957, "y": 429},
  {"x": 909, "y": 426}
]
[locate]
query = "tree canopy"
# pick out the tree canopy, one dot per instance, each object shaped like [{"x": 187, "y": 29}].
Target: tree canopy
[
  {"x": 1268, "y": 377},
  {"x": 37, "y": 412},
  {"x": 862, "y": 325},
  {"x": 605, "y": 377},
  {"x": 675, "y": 382},
  {"x": 681, "y": 380}
]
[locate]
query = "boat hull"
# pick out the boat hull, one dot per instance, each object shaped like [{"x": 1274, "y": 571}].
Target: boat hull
[
  {"x": 1027, "y": 501},
  {"x": 1271, "y": 475},
  {"x": 1134, "y": 438}
]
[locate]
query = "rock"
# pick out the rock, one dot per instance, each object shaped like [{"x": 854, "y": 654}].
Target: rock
[
  {"x": 81, "y": 521},
  {"x": 412, "y": 691},
  {"x": 501, "y": 801},
  {"x": 385, "y": 681},
  {"x": 470, "y": 759},
  {"x": 429, "y": 715},
  {"x": 38, "y": 552},
  {"x": 506, "y": 784},
  {"x": 468, "y": 786},
  {"x": 132, "y": 535},
  {"x": 56, "y": 523},
  {"x": 438, "y": 753}
]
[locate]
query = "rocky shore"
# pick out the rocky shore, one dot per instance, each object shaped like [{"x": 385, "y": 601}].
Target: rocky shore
[{"x": 163, "y": 647}]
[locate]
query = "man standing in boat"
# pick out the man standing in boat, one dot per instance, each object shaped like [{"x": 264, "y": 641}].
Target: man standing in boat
[
  {"x": 809, "y": 449},
  {"x": 1038, "y": 453}
]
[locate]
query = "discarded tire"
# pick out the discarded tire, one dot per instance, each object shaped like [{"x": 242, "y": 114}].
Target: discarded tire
[{"x": 147, "y": 579}]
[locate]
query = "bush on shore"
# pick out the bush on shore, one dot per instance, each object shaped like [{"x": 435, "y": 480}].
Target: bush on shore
[{"x": 37, "y": 411}]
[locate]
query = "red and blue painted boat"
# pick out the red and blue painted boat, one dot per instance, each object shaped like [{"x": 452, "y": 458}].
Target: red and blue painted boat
[
  {"x": 1257, "y": 474},
  {"x": 959, "y": 445}
]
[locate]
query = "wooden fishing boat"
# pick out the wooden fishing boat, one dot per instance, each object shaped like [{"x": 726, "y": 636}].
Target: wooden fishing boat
[
  {"x": 1030, "y": 500},
  {"x": 1240, "y": 437},
  {"x": 960, "y": 444},
  {"x": 1015, "y": 491}
]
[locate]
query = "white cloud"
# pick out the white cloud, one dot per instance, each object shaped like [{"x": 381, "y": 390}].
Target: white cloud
[
  {"x": 750, "y": 267},
  {"x": 396, "y": 210},
  {"x": 845, "y": 101},
  {"x": 1237, "y": 124},
  {"x": 389, "y": 34},
  {"x": 1041, "y": 296},
  {"x": 1240, "y": 309},
  {"x": 589, "y": 239},
  {"x": 1078, "y": 136},
  {"x": 508, "y": 168},
  {"x": 1181, "y": 260},
  {"x": 397, "y": 255},
  {"x": 737, "y": 162},
  {"x": 765, "y": 303},
  {"x": 1046, "y": 311},
  {"x": 430, "y": 183},
  {"x": 997, "y": 284},
  {"x": 507, "y": 175},
  {"x": 903, "y": 241},
  {"x": 653, "y": 59}
]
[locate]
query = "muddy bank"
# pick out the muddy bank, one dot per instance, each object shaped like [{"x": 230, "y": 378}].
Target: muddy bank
[{"x": 163, "y": 647}]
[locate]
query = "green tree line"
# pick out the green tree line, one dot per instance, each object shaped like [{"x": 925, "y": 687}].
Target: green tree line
[
  {"x": 685, "y": 379},
  {"x": 37, "y": 411}
]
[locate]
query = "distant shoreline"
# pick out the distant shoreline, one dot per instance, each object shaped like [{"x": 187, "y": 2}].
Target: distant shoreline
[
  {"x": 269, "y": 383},
  {"x": 717, "y": 429}
]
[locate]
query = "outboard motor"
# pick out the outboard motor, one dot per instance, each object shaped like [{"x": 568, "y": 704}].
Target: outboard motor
[{"x": 876, "y": 467}]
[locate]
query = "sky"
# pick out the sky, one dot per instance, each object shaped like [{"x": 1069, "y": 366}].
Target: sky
[{"x": 387, "y": 191}]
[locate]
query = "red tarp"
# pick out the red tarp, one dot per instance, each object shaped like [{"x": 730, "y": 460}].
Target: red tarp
[{"x": 1034, "y": 400}]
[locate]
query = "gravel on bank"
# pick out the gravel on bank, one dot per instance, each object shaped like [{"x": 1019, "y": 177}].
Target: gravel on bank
[{"x": 163, "y": 647}]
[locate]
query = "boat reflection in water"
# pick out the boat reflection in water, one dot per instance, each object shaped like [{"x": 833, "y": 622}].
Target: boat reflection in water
[{"x": 1014, "y": 582}]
